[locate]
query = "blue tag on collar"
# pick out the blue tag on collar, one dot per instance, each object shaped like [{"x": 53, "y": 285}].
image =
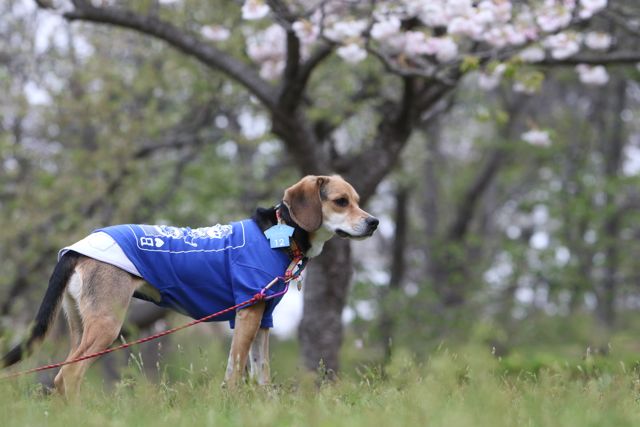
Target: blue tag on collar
[{"x": 279, "y": 235}]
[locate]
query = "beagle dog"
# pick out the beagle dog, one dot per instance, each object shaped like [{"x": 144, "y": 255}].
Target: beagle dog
[{"x": 194, "y": 271}]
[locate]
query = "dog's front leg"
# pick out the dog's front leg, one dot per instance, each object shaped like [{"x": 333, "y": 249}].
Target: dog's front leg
[
  {"x": 247, "y": 325},
  {"x": 259, "y": 358}
]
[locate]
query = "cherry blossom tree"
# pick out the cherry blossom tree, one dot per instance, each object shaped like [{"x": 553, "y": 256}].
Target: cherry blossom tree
[{"x": 421, "y": 50}]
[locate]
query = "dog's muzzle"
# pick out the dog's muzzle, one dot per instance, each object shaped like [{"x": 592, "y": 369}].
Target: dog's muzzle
[{"x": 370, "y": 225}]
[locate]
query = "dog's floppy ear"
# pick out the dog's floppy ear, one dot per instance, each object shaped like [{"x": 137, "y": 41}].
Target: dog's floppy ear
[{"x": 304, "y": 203}]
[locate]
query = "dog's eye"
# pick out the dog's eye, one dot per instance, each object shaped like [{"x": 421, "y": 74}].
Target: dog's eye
[{"x": 342, "y": 202}]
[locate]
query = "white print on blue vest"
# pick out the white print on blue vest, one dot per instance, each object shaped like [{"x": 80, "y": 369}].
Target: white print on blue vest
[{"x": 154, "y": 234}]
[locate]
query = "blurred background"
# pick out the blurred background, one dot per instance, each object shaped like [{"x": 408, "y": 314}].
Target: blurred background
[{"x": 507, "y": 185}]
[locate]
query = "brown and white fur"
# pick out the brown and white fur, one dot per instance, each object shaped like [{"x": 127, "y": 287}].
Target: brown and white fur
[{"x": 95, "y": 295}]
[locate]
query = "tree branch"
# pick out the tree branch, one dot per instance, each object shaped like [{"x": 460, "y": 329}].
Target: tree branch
[
  {"x": 369, "y": 167},
  {"x": 612, "y": 58},
  {"x": 187, "y": 43},
  {"x": 320, "y": 54},
  {"x": 620, "y": 17},
  {"x": 466, "y": 209},
  {"x": 296, "y": 73},
  {"x": 285, "y": 18},
  {"x": 468, "y": 204},
  {"x": 282, "y": 12}
]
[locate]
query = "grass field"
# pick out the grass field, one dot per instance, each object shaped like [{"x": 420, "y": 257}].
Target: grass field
[{"x": 468, "y": 388}]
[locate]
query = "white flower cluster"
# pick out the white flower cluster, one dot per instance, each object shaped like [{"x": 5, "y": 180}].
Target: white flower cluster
[
  {"x": 490, "y": 80},
  {"x": 537, "y": 137},
  {"x": 439, "y": 31},
  {"x": 592, "y": 75},
  {"x": 349, "y": 34},
  {"x": 215, "y": 33},
  {"x": 254, "y": 9},
  {"x": 490, "y": 21},
  {"x": 596, "y": 40},
  {"x": 554, "y": 15},
  {"x": 268, "y": 48},
  {"x": 532, "y": 53},
  {"x": 563, "y": 45},
  {"x": 589, "y": 7}
]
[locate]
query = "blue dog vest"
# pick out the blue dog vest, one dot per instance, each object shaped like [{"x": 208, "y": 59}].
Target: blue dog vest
[{"x": 204, "y": 270}]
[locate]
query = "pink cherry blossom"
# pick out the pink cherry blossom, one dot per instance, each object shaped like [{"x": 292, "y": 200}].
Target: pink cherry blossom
[
  {"x": 525, "y": 23},
  {"x": 396, "y": 43},
  {"x": 590, "y": 7},
  {"x": 444, "y": 48},
  {"x": 484, "y": 13},
  {"x": 502, "y": 10},
  {"x": 532, "y": 54},
  {"x": 306, "y": 31},
  {"x": 593, "y": 5},
  {"x": 385, "y": 29},
  {"x": 443, "y": 30},
  {"x": 553, "y": 16},
  {"x": 416, "y": 44},
  {"x": 345, "y": 30},
  {"x": 272, "y": 69},
  {"x": 537, "y": 137},
  {"x": 496, "y": 37},
  {"x": 523, "y": 87},
  {"x": 352, "y": 53},
  {"x": 458, "y": 7},
  {"x": 215, "y": 33},
  {"x": 514, "y": 36},
  {"x": 465, "y": 26},
  {"x": 491, "y": 79},
  {"x": 431, "y": 13},
  {"x": 254, "y": 9},
  {"x": 563, "y": 45},
  {"x": 597, "y": 40},
  {"x": 592, "y": 75},
  {"x": 488, "y": 81},
  {"x": 267, "y": 45}
]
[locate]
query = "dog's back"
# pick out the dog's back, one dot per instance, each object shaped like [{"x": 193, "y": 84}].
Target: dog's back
[{"x": 200, "y": 271}]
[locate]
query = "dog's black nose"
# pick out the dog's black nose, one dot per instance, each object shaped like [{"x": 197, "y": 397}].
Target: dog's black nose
[{"x": 372, "y": 222}]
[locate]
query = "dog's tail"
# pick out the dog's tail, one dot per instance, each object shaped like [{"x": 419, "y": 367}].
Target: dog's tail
[{"x": 47, "y": 311}]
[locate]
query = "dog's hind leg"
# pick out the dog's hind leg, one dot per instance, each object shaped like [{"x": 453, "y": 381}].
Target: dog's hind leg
[
  {"x": 259, "y": 358},
  {"x": 102, "y": 301},
  {"x": 74, "y": 321},
  {"x": 97, "y": 336}
]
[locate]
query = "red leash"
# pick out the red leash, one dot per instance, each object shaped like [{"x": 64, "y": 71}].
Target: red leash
[{"x": 260, "y": 296}]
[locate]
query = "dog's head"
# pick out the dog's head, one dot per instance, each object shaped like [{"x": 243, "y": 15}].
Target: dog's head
[{"x": 330, "y": 203}]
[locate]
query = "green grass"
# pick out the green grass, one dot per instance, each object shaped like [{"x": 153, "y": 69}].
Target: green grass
[{"x": 469, "y": 388}]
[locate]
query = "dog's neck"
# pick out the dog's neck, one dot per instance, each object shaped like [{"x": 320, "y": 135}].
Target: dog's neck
[{"x": 309, "y": 243}]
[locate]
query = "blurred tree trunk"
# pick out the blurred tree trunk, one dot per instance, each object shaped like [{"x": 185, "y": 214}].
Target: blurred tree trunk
[
  {"x": 389, "y": 293},
  {"x": 447, "y": 266},
  {"x": 325, "y": 296},
  {"x": 329, "y": 275},
  {"x": 576, "y": 224},
  {"x": 447, "y": 247},
  {"x": 612, "y": 145}
]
